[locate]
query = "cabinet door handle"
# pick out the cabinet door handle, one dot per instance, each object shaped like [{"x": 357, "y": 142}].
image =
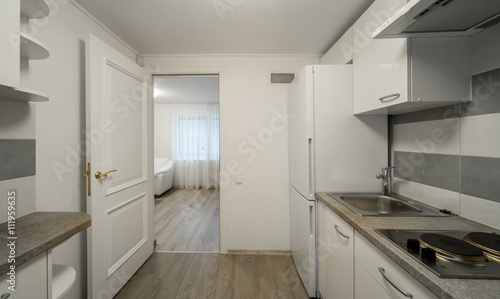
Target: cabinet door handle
[
  {"x": 394, "y": 96},
  {"x": 406, "y": 294},
  {"x": 340, "y": 233}
]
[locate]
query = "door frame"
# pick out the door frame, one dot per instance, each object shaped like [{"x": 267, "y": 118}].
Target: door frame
[{"x": 222, "y": 135}]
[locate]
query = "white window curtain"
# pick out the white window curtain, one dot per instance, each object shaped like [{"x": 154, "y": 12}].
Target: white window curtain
[{"x": 193, "y": 144}]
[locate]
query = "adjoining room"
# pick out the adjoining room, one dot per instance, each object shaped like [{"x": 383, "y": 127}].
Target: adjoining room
[{"x": 186, "y": 178}]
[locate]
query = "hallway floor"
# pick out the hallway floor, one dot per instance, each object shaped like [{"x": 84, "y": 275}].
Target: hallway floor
[
  {"x": 187, "y": 220},
  {"x": 215, "y": 276}
]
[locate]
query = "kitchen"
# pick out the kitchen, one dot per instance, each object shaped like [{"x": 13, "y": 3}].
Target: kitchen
[{"x": 251, "y": 100}]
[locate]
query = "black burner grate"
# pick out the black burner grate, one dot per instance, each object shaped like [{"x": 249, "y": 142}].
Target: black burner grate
[
  {"x": 487, "y": 241},
  {"x": 450, "y": 245}
]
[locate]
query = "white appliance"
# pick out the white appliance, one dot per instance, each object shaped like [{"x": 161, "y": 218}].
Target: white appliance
[
  {"x": 330, "y": 150},
  {"x": 431, "y": 18}
]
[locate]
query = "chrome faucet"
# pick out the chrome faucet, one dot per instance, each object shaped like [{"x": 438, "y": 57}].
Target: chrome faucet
[{"x": 386, "y": 177}]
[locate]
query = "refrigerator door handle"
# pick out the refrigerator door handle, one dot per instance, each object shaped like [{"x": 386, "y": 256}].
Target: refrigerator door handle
[
  {"x": 311, "y": 171},
  {"x": 311, "y": 222}
]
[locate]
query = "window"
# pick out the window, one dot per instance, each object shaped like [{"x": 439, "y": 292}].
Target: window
[{"x": 199, "y": 137}]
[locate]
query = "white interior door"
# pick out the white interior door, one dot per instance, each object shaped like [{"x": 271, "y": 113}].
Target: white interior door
[{"x": 119, "y": 135}]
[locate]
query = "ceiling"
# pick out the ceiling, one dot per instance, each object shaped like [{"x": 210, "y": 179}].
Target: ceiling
[
  {"x": 186, "y": 89},
  {"x": 227, "y": 26}
]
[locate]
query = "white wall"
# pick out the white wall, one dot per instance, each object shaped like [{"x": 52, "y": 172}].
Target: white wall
[
  {"x": 254, "y": 215},
  {"x": 60, "y": 123}
]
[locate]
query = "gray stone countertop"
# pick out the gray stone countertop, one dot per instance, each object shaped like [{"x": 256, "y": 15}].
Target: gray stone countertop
[
  {"x": 441, "y": 287},
  {"x": 38, "y": 232}
]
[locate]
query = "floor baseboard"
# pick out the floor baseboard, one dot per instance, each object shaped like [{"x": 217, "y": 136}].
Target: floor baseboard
[{"x": 259, "y": 251}]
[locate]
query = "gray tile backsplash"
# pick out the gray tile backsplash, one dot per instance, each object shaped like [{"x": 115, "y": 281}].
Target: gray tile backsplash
[
  {"x": 17, "y": 157},
  {"x": 470, "y": 166},
  {"x": 480, "y": 177},
  {"x": 441, "y": 171}
]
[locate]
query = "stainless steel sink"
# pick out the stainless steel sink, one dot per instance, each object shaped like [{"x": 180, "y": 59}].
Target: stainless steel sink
[{"x": 372, "y": 204}]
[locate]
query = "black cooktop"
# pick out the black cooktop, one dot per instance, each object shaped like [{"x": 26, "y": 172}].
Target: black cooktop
[{"x": 473, "y": 261}]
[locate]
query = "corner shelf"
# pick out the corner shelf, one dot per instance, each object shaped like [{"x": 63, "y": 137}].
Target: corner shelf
[
  {"x": 29, "y": 49},
  {"x": 32, "y": 49},
  {"x": 63, "y": 278},
  {"x": 34, "y": 9},
  {"x": 22, "y": 94}
]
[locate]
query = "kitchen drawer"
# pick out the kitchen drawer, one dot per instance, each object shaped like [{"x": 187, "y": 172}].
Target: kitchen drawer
[
  {"x": 371, "y": 258},
  {"x": 367, "y": 287}
]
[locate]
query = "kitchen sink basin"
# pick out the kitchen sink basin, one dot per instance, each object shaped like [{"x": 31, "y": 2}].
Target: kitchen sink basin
[{"x": 372, "y": 204}]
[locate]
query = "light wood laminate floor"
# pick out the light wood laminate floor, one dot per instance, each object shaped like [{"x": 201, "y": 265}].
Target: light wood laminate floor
[
  {"x": 212, "y": 275},
  {"x": 187, "y": 220}
]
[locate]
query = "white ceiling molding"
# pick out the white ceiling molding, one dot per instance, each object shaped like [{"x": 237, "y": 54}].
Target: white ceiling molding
[
  {"x": 88, "y": 14},
  {"x": 232, "y": 55}
]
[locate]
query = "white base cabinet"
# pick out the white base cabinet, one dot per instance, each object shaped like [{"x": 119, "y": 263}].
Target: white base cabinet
[
  {"x": 30, "y": 280},
  {"x": 335, "y": 255},
  {"x": 370, "y": 263},
  {"x": 39, "y": 278},
  {"x": 350, "y": 266}
]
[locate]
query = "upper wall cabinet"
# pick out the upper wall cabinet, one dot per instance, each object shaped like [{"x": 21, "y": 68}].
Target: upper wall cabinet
[
  {"x": 341, "y": 52},
  {"x": 18, "y": 48},
  {"x": 392, "y": 76}
]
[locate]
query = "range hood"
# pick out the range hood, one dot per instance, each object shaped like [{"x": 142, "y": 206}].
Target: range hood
[{"x": 431, "y": 18}]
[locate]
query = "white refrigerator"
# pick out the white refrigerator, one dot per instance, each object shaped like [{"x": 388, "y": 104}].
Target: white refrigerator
[{"x": 329, "y": 150}]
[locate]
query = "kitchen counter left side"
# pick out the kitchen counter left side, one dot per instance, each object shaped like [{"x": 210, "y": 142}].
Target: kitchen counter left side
[{"x": 38, "y": 232}]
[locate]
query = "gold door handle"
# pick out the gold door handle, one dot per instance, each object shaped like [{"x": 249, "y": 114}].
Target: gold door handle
[{"x": 99, "y": 175}]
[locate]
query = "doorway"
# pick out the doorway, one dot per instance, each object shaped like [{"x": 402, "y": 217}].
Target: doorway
[{"x": 186, "y": 152}]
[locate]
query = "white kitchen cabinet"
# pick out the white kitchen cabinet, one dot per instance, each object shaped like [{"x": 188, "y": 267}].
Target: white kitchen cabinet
[
  {"x": 392, "y": 76},
  {"x": 18, "y": 48},
  {"x": 30, "y": 279},
  {"x": 335, "y": 255},
  {"x": 39, "y": 278},
  {"x": 341, "y": 51},
  {"x": 369, "y": 263}
]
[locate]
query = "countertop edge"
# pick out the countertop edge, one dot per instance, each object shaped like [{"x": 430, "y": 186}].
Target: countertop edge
[{"x": 79, "y": 222}]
